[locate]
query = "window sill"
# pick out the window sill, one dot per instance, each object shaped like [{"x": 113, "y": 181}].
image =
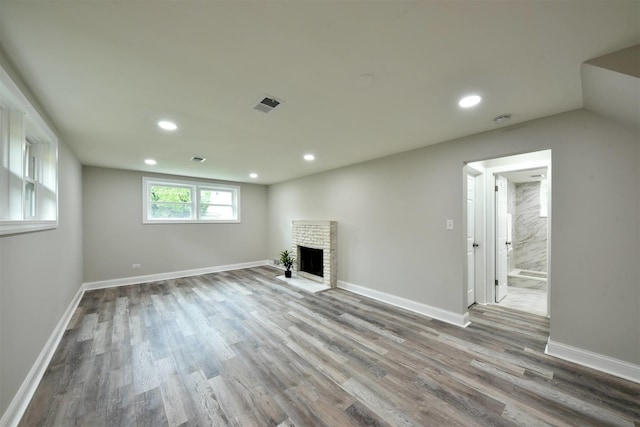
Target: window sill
[
  {"x": 189, "y": 221},
  {"x": 17, "y": 227}
]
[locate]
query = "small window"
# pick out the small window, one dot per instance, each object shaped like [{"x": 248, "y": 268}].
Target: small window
[
  {"x": 218, "y": 204},
  {"x": 177, "y": 201},
  {"x": 28, "y": 165},
  {"x": 171, "y": 202}
]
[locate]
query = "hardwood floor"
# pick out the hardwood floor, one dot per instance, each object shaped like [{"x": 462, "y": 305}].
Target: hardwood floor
[{"x": 240, "y": 348}]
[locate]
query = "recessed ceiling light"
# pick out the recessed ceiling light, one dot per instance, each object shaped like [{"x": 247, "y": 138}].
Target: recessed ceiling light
[
  {"x": 253, "y": 175},
  {"x": 150, "y": 162},
  {"x": 470, "y": 101},
  {"x": 167, "y": 125},
  {"x": 309, "y": 157}
]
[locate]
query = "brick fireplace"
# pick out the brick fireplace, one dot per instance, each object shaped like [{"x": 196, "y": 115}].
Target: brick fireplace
[{"x": 316, "y": 235}]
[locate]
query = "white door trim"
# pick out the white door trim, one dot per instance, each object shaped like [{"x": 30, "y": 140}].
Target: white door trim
[
  {"x": 470, "y": 240},
  {"x": 485, "y": 289},
  {"x": 479, "y": 223},
  {"x": 501, "y": 237}
]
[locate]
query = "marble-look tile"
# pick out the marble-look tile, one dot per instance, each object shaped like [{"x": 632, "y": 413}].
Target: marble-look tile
[
  {"x": 528, "y": 196},
  {"x": 531, "y": 255},
  {"x": 530, "y": 227},
  {"x": 521, "y": 282},
  {"x": 523, "y": 299},
  {"x": 530, "y": 241}
]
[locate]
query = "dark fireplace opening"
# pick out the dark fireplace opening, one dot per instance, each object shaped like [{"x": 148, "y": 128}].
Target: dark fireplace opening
[{"x": 311, "y": 261}]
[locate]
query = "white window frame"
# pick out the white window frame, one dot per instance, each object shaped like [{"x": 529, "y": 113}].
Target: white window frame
[
  {"x": 30, "y": 178},
  {"x": 21, "y": 127},
  {"x": 195, "y": 188}
]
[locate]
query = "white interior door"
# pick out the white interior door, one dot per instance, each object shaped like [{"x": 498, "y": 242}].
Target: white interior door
[
  {"x": 501, "y": 238},
  {"x": 471, "y": 257}
]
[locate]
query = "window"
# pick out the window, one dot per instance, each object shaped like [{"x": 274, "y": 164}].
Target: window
[
  {"x": 28, "y": 165},
  {"x": 176, "y": 201},
  {"x": 170, "y": 202},
  {"x": 217, "y": 203},
  {"x": 29, "y": 180}
]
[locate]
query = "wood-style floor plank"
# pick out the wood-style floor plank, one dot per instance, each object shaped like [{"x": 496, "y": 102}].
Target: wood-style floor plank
[{"x": 241, "y": 348}]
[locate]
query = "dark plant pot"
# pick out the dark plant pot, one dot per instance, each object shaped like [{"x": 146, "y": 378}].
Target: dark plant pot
[{"x": 287, "y": 273}]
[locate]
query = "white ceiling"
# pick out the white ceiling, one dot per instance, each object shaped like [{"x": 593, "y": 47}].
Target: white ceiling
[
  {"x": 107, "y": 71},
  {"x": 611, "y": 85}
]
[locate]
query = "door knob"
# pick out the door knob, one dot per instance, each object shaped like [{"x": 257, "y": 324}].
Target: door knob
[{"x": 475, "y": 245}]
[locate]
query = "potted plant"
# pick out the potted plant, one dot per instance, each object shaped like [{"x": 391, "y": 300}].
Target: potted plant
[{"x": 287, "y": 260}]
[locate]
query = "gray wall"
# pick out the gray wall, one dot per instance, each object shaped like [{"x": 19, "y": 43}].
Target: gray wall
[
  {"x": 39, "y": 273},
  {"x": 115, "y": 238},
  {"x": 391, "y": 216}
]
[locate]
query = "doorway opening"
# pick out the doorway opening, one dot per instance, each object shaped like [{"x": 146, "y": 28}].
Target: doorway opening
[{"x": 508, "y": 232}]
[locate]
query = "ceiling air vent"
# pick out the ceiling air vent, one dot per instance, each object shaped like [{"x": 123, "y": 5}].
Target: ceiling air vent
[
  {"x": 266, "y": 104},
  {"x": 503, "y": 119}
]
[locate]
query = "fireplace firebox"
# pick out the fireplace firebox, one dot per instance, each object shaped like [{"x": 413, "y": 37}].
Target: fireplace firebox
[{"x": 311, "y": 260}]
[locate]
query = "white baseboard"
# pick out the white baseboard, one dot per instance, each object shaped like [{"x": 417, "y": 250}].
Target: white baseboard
[
  {"x": 417, "y": 307},
  {"x": 609, "y": 365},
  {"x": 124, "y": 281},
  {"x": 21, "y": 400}
]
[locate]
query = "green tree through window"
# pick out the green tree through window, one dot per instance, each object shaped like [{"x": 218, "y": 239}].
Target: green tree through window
[
  {"x": 171, "y": 202},
  {"x": 181, "y": 201}
]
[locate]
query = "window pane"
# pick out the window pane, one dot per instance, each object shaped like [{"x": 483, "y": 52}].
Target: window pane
[
  {"x": 170, "y": 211},
  {"x": 29, "y": 200},
  {"x": 216, "y": 197},
  {"x": 29, "y": 161},
  {"x": 170, "y": 194},
  {"x": 217, "y": 212}
]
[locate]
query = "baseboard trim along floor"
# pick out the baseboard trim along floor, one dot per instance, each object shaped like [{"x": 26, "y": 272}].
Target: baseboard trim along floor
[
  {"x": 602, "y": 363},
  {"x": 416, "y": 307},
  {"x": 124, "y": 281}
]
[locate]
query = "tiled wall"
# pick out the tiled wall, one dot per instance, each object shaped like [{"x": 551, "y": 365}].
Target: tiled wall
[{"x": 530, "y": 229}]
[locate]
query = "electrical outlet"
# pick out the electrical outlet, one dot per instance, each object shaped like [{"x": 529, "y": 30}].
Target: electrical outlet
[
  {"x": 135, "y": 265},
  {"x": 449, "y": 224}
]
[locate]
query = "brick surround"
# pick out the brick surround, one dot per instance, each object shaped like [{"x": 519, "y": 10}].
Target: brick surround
[{"x": 317, "y": 235}]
